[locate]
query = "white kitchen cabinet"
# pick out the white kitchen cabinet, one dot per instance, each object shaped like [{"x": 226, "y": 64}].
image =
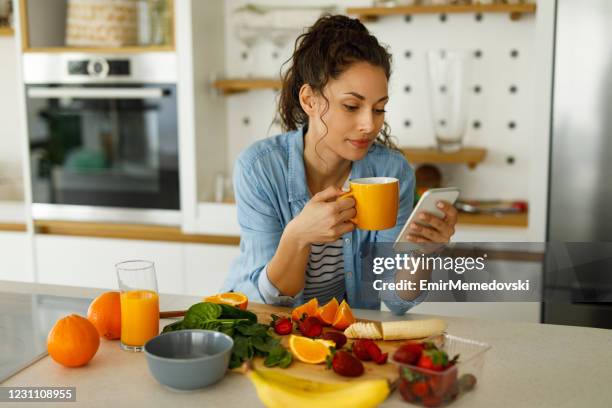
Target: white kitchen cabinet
[
  {"x": 206, "y": 267},
  {"x": 15, "y": 257},
  {"x": 90, "y": 262}
]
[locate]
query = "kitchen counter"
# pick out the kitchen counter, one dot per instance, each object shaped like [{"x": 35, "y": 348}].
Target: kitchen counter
[{"x": 528, "y": 365}]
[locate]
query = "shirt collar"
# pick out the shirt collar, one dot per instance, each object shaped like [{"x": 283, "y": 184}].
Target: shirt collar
[
  {"x": 296, "y": 183},
  {"x": 297, "y": 186}
]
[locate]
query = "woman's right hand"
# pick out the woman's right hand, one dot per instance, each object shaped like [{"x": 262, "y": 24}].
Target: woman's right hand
[{"x": 325, "y": 218}]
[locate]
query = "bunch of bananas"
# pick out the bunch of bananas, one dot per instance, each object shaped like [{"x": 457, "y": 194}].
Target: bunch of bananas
[{"x": 278, "y": 390}]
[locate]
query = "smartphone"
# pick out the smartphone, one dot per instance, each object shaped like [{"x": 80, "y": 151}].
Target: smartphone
[{"x": 428, "y": 203}]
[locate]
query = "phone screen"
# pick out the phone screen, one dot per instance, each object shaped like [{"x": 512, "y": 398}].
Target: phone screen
[{"x": 428, "y": 203}]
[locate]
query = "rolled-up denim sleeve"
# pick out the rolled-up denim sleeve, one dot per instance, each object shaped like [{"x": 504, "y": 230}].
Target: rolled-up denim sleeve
[
  {"x": 260, "y": 232},
  {"x": 399, "y": 306},
  {"x": 271, "y": 294},
  {"x": 405, "y": 175}
]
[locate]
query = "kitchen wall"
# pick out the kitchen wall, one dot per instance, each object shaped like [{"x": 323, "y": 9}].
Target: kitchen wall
[
  {"x": 509, "y": 105},
  {"x": 501, "y": 98},
  {"x": 10, "y": 129}
]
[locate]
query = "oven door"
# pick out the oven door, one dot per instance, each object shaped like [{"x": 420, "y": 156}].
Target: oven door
[{"x": 103, "y": 147}]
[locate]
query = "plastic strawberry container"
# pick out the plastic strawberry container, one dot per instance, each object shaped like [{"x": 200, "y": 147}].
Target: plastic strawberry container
[{"x": 430, "y": 388}]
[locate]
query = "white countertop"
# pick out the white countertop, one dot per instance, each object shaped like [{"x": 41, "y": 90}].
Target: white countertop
[{"x": 528, "y": 365}]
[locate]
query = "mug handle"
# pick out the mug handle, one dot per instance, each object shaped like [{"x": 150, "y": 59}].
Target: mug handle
[{"x": 346, "y": 195}]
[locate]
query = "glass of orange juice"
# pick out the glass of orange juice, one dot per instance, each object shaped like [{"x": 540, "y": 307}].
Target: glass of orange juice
[{"x": 139, "y": 303}]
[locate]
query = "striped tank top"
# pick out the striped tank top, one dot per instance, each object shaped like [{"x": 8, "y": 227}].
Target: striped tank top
[{"x": 325, "y": 273}]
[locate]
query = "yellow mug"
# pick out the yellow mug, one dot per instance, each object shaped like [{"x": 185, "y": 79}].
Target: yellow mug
[{"x": 376, "y": 202}]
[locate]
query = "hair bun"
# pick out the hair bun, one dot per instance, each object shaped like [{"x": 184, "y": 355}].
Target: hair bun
[
  {"x": 340, "y": 21},
  {"x": 322, "y": 53}
]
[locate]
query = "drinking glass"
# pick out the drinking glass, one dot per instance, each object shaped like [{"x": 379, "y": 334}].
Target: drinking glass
[
  {"x": 448, "y": 86},
  {"x": 139, "y": 303}
]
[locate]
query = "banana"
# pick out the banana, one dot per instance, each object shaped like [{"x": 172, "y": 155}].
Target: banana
[{"x": 278, "y": 390}]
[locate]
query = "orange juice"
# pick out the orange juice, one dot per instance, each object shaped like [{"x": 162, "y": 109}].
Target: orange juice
[{"x": 139, "y": 317}]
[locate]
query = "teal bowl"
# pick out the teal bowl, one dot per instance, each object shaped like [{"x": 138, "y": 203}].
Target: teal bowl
[{"x": 189, "y": 359}]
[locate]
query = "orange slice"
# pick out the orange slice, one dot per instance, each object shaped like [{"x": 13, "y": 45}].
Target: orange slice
[
  {"x": 344, "y": 316},
  {"x": 311, "y": 351},
  {"x": 309, "y": 308},
  {"x": 235, "y": 299},
  {"x": 327, "y": 313}
]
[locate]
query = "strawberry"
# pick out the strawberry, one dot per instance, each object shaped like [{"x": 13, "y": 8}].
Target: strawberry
[
  {"x": 336, "y": 337},
  {"x": 345, "y": 364},
  {"x": 375, "y": 353},
  {"x": 361, "y": 349},
  {"x": 282, "y": 325},
  {"x": 408, "y": 353},
  {"x": 310, "y": 327},
  {"x": 442, "y": 384},
  {"x": 382, "y": 359},
  {"x": 433, "y": 359},
  {"x": 419, "y": 388},
  {"x": 453, "y": 392},
  {"x": 432, "y": 401},
  {"x": 404, "y": 390}
]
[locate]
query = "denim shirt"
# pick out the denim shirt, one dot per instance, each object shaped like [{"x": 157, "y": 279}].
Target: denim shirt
[{"x": 270, "y": 188}]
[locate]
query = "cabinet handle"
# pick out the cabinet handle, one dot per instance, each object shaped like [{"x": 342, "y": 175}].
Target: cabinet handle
[{"x": 96, "y": 93}]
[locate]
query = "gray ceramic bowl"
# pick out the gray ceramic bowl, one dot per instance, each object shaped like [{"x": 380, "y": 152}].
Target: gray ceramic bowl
[{"x": 189, "y": 359}]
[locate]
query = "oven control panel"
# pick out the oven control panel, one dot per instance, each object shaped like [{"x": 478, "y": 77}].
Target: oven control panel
[{"x": 99, "y": 67}]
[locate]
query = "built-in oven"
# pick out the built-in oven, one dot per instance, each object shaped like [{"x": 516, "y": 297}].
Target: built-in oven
[{"x": 103, "y": 137}]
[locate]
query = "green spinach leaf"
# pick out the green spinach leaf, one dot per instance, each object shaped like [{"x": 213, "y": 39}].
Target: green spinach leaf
[
  {"x": 279, "y": 356},
  {"x": 231, "y": 312},
  {"x": 201, "y": 313},
  {"x": 250, "y": 338}
]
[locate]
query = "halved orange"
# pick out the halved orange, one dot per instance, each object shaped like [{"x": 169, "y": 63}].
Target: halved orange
[
  {"x": 344, "y": 316},
  {"x": 327, "y": 313},
  {"x": 236, "y": 299},
  {"x": 311, "y": 351},
  {"x": 309, "y": 308}
]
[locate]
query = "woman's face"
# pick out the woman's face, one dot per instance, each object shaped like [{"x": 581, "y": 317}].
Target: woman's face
[{"x": 355, "y": 114}]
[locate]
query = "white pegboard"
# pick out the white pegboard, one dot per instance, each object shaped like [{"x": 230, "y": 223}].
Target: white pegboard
[{"x": 494, "y": 107}]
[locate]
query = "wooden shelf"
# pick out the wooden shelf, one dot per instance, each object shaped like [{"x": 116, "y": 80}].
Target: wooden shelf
[
  {"x": 13, "y": 227},
  {"x": 26, "y": 47},
  {"x": 233, "y": 86},
  {"x": 494, "y": 220},
  {"x": 373, "y": 13},
  {"x": 471, "y": 156},
  {"x": 118, "y": 50},
  {"x": 6, "y": 32},
  {"x": 129, "y": 231}
]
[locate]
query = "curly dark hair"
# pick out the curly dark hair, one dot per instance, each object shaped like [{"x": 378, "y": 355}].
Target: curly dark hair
[{"x": 325, "y": 51}]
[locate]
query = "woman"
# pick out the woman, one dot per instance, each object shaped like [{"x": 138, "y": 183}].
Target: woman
[{"x": 297, "y": 241}]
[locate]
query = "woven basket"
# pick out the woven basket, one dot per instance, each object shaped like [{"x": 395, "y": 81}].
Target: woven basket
[{"x": 102, "y": 23}]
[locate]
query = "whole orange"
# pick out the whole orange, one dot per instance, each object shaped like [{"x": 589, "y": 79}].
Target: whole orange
[
  {"x": 73, "y": 341},
  {"x": 105, "y": 313}
]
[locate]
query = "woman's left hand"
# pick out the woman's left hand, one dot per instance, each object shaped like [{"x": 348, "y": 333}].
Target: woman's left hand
[{"x": 441, "y": 230}]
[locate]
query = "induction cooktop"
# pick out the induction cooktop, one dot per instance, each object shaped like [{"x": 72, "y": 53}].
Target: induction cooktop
[{"x": 25, "y": 321}]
